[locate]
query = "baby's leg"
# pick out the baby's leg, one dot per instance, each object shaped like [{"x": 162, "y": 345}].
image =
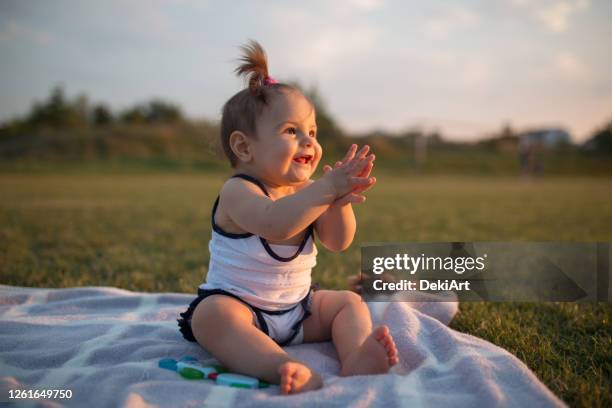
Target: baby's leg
[
  {"x": 224, "y": 327},
  {"x": 345, "y": 318}
]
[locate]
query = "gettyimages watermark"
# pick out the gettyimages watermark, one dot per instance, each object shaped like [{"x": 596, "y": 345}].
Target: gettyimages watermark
[{"x": 487, "y": 271}]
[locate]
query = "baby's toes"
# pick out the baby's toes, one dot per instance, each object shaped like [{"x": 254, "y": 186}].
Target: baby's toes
[
  {"x": 390, "y": 349},
  {"x": 391, "y": 343},
  {"x": 381, "y": 334},
  {"x": 387, "y": 341},
  {"x": 285, "y": 385},
  {"x": 286, "y": 372}
]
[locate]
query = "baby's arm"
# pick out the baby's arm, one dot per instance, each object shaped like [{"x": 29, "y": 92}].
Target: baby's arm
[
  {"x": 256, "y": 213},
  {"x": 336, "y": 226}
]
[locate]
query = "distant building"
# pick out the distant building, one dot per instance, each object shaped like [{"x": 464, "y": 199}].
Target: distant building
[
  {"x": 532, "y": 144},
  {"x": 545, "y": 138}
]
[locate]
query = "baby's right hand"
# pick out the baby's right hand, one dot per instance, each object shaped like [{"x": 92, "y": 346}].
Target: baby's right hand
[{"x": 347, "y": 176}]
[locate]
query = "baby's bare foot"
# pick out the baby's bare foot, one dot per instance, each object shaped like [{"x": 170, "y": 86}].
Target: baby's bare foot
[
  {"x": 375, "y": 356},
  {"x": 296, "y": 377}
]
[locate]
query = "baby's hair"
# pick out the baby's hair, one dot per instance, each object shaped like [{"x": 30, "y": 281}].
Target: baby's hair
[
  {"x": 241, "y": 110},
  {"x": 254, "y": 66}
]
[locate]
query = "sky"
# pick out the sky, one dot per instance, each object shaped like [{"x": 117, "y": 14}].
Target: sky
[{"x": 464, "y": 68}]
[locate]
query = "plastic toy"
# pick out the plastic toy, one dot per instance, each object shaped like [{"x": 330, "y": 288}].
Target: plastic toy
[
  {"x": 239, "y": 381},
  {"x": 190, "y": 368},
  {"x": 167, "y": 363}
]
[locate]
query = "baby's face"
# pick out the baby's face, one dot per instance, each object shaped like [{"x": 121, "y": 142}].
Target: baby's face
[{"x": 286, "y": 151}]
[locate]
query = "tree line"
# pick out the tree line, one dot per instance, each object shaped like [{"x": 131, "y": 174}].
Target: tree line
[
  {"x": 74, "y": 129},
  {"x": 59, "y": 111}
]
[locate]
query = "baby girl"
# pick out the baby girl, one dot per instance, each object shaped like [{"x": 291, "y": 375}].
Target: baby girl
[{"x": 258, "y": 296}]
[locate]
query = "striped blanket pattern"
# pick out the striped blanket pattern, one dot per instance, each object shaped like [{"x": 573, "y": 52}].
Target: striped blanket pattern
[{"x": 104, "y": 343}]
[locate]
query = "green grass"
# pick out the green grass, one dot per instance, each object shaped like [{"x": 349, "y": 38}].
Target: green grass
[{"x": 149, "y": 232}]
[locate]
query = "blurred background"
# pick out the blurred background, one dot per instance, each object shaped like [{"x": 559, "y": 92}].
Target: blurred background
[
  {"x": 491, "y": 121},
  {"x": 501, "y": 86}
]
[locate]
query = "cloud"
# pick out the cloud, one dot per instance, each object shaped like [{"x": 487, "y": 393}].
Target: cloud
[
  {"x": 9, "y": 31},
  {"x": 554, "y": 15},
  {"x": 14, "y": 31},
  {"x": 333, "y": 47},
  {"x": 476, "y": 73},
  {"x": 346, "y": 9},
  {"x": 569, "y": 65},
  {"x": 363, "y": 5},
  {"x": 326, "y": 50},
  {"x": 449, "y": 20}
]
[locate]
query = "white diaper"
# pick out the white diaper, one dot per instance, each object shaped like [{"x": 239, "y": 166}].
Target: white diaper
[
  {"x": 281, "y": 327},
  {"x": 284, "y": 327}
]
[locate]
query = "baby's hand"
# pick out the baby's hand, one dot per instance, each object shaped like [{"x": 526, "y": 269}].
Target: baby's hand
[
  {"x": 354, "y": 196},
  {"x": 351, "y": 175}
]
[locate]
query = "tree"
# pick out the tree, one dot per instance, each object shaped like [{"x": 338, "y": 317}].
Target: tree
[
  {"x": 58, "y": 112},
  {"x": 159, "y": 111},
  {"x": 602, "y": 139},
  {"x": 101, "y": 115},
  {"x": 135, "y": 114},
  {"x": 156, "y": 111}
]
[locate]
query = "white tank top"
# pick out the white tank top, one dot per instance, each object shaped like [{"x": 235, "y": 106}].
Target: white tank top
[{"x": 268, "y": 276}]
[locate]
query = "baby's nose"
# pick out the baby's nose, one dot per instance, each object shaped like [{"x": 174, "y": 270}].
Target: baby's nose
[{"x": 306, "y": 141}]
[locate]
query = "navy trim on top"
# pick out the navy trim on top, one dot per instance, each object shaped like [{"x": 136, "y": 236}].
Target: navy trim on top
[
  {"x": 274, "y": 255},
  {"x": 220, "y": 231},
  {"x": 264, "y": 242},
  {"x": 214, "y": 210},
  {"x": 252, "y": 180}
]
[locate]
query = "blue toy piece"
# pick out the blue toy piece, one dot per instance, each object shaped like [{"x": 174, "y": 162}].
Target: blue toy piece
[
  {"x": 167, "y": 363},
  {"x": 170, "y": 363},
  {"x": 237, "y": 380}
]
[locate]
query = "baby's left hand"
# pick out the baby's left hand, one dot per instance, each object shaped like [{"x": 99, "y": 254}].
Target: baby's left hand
[{"x": 355, "y": 196}]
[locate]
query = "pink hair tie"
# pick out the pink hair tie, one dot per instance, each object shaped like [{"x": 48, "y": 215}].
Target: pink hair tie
[{"x": 269, "y": 81}]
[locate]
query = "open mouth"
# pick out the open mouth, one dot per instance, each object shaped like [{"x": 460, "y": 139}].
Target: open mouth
[{"x": 305, "y": 159}]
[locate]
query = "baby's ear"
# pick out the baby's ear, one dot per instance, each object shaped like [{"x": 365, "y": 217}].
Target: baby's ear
[{"x": 241, "y": 146}]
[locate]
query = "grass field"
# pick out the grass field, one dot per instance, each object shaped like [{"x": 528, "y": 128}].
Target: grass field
[{"x": 149, "y": 232}]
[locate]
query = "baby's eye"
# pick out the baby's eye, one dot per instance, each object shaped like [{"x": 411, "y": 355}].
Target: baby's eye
[
  {"x": 313, "y": 133},
  {"x": 291, "y": 130}
]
